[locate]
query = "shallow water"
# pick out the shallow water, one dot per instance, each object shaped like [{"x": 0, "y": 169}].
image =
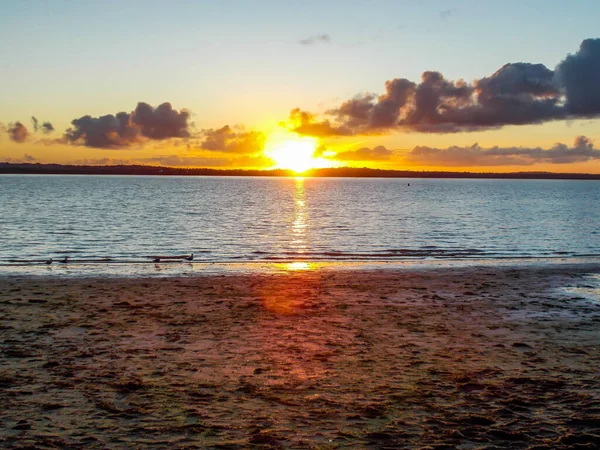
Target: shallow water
[{"x": 227, "y": 219}]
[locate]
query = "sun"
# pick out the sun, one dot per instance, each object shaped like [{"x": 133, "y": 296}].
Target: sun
[{"x": 290, "y": 151}]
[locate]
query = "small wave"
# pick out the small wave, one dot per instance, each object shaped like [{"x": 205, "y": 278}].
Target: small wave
[{"x": 377, "y": 254}]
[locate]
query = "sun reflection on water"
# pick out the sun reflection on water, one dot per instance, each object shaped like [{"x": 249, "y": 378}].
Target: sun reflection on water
[
  {"x": 298, "y": 265},
  {"x": 299, "y": 225}
]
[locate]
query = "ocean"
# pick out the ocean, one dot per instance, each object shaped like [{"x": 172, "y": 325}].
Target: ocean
[{"x": 112, "y": 219}]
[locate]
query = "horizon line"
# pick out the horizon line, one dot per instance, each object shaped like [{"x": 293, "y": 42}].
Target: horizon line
[{"x": 10, "y": 168}]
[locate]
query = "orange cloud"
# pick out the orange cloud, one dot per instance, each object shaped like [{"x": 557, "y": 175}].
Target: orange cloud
[{"x": 228, "y": 140}]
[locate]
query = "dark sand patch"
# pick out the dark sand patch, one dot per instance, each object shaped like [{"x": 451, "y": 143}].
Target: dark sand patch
[{"x": 448, "y": 358}]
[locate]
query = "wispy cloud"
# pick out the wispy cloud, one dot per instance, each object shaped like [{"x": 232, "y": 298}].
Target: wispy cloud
[
  {"x": 582, "y": 150},
  {"x": 379, "y": 153},
  {"x": 446, "y": 13},
  {"x": 45, "y": 127},
  {"x": 229, "y": 161},
  {"x": 317, "y": 39}
]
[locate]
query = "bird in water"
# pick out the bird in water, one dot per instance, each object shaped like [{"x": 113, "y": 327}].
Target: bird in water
[
  {"x": 48, "y": 261},
  {"x": 65, "y": 260},
  {"x": 189, "y": 258},
  {"x": 157, "y": 260}
]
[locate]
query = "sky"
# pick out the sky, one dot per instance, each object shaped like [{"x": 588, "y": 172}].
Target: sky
[{"x": 429, "y": 85}]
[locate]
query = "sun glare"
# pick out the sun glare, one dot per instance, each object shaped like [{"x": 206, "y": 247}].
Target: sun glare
[{"x": 290, "y": 151}]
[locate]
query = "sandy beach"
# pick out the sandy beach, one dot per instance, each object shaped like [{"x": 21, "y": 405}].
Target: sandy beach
[{"x": 472, "y": 357}]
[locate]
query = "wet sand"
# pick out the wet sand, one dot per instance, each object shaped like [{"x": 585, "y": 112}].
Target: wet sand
[{"x": 480, "y": 357}]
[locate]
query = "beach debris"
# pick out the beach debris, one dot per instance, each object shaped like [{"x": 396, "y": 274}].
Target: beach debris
[
  {"x": 64, "y": 260},
  {"x": 160, "y": 258},
  {"x": 38, "y": 261}
]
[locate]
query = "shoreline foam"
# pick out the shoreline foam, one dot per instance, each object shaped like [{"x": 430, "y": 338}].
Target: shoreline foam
[{"x": 176, "y": 269}]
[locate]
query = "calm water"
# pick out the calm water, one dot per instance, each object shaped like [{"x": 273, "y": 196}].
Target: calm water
[{"x": 241, "y": 219}]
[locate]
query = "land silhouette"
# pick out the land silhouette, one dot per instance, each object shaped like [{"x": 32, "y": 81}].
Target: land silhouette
[{"x": 352, "y": 172}]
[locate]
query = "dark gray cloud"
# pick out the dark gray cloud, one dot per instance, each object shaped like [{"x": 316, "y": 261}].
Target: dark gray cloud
[
  {"x": 582, "y": 151},
  {"x": 45, "y": 127},
  {"x": 18, "y": 132},
  {"x": 517, "y": 94},
  {"x": 317, "y": 39},
  {"x": 125, "y": 129},
  {"x": 28, "y": 158},
  {"x": 162, "y": 122},
  {"x": 379, "y": 153},
  {"x": 230, "y": 140},
  {"x": 579, "y": 74}
]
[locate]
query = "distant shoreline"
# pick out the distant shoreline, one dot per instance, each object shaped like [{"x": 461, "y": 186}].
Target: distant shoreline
[{"x": 340, "y": 172}]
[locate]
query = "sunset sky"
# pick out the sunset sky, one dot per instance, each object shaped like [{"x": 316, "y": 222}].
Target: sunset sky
[{"x": 239, "y": 84}]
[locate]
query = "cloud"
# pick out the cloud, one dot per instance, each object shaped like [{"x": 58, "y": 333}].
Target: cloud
[
  {"x": 254, "y": 161},
  {"x": 579, "y": 74},
  {"x": 125, "y": 129},
  {"x": 162, "y": 122},
  {"x": 45, "y": 128},
  {"x": 18, "y": 132},
  {"x": 186, "y": 161},
  {"x": 102, "y": 162},
  {"x": 236, "y": 161},
  {"x": 582, "y": 150},
  {"x": 446, "y": 13},
  {"x": 304, "y": 122},
  {"x": 317, "y": 39},
  {"x": 517, "y": 94},
  {"x": 29, "y": 158},
  {"x": 379, "y": 153},
  {"x": 230, "y": 140}
]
